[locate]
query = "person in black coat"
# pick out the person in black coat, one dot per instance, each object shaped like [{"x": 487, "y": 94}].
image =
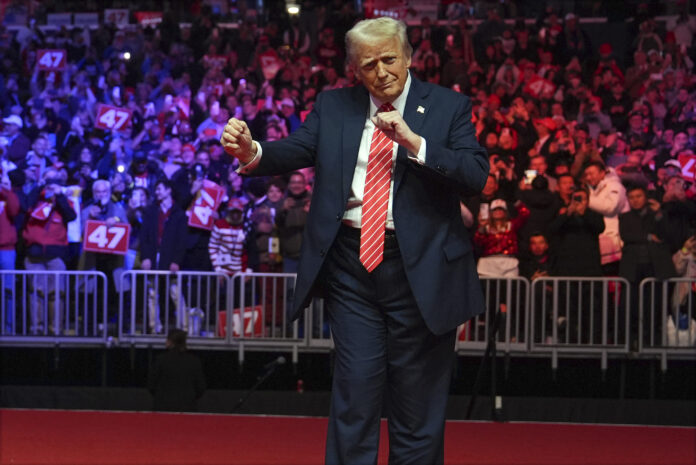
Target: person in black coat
[
  {"x": 543, "y": 206},
  {"x": 176, "y": 380},
  {"x": 576, "y": 253},
  {"x": 645, "y": 253},
  {"x": 163, "y": 235},
  {"x": 162, "y": 247},
  {"x": 577, "y": 229},
  {"x": 643, "y": 230}
]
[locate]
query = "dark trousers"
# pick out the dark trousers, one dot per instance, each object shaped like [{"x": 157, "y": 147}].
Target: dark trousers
[{"x": 384, "y": 354}]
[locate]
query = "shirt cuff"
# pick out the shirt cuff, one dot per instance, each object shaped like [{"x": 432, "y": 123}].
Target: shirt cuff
[
  {"x": 420, "y": 156},
  {"x": 245, "y": 168}
]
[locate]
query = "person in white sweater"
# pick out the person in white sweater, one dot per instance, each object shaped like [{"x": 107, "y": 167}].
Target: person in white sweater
[{"x": 608, "y": 198}]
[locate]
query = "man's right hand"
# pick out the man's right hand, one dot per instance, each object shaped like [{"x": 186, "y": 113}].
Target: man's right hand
[{"x": 236, "y": 140}]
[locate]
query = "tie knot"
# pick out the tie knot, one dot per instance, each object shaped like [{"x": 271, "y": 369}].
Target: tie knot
[{"x": 385, "y": 107}]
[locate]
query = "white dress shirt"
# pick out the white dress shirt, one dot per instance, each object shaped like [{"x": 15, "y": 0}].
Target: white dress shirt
[{"x": 353, "y": 214}]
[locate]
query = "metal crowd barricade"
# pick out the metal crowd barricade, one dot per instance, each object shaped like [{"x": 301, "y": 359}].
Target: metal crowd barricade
[
  {"x": 258, "y": 316},
  {"x": 580, "y": 316},
  {"x": 151, "y": 303},
  {"x": 510, "y": 296},
  {"x": 667, "y": 312},
  {"x": 316, "y": 326},
  {"x": 53, "y": 307}
]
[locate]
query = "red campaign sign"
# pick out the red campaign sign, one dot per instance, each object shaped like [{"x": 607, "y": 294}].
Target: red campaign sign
[
  {"x": 113, "y": 118},
  {"x": 42, "y": 211},
  {"x": 183, "y": 104},
  {"x": 148, "y": 18},
  {"x": 688, "y": 164},
  {"x": 207, "y": 200},
  {"x": 246, "y": 324},
  {"x": 101, "y": 238},
  {"x": 270, "y": 64},
  {"x": 539, "y": 86},
  {"x": 51, "y": 59}
]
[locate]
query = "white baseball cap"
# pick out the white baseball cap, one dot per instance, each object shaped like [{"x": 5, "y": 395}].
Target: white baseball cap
[
  {"x": 13, "y": 119},
  {"x": 498, "y": 203}
]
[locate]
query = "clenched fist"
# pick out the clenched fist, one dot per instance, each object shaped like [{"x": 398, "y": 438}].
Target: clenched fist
[
  {"x": 394, "y": 126},
  {"x": 236, "y": 140}
]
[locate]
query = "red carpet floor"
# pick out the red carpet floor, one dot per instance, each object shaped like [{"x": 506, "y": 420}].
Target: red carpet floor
[{"x": 122, "y": 438}]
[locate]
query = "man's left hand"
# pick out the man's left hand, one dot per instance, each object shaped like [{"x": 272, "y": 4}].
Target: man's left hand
[{"x": 394, "y": 126}]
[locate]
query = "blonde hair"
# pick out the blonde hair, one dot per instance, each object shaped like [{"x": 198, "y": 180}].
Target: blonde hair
[{"x": 368, "y": 30}]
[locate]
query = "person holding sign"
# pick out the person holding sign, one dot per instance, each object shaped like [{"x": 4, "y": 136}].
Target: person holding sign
[{"x": 103, "y": 209}]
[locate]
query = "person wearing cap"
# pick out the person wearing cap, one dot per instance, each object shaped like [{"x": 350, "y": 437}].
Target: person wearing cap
[
  {"x": 230, "y": 245},
  {"x": 497, "y": 241},
  {"x": 545, "y": 128},
  {"x": 573, "y": 41},
  {"x": 287, "y": 108},
  {"x": 17, "y": 143},
  {"x": 46, "y": 237},
  {"x": 394, "y": 308}
]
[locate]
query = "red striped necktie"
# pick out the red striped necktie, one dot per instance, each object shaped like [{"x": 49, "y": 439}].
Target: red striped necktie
[{"x": 376, "y": 197}]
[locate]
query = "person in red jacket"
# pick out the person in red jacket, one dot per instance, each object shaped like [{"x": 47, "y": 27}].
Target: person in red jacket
[
  {"x": 497, "y": 240},
  {"x": 9, "y": 208},
  {"x": 46, "y": 237}
]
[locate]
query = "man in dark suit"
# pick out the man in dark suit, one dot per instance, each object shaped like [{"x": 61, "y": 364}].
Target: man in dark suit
[{"x": 384, "y": 241}]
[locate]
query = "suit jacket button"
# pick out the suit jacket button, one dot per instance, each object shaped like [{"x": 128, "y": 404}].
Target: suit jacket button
[
  {"x": 322, "y": 252},
  {"x": 338, "y": 217}
]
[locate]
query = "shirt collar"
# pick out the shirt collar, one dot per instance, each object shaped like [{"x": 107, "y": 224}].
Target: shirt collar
[{"x": 399, "y": 102}]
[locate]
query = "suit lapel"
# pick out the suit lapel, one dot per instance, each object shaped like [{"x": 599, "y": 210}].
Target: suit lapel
[
  {"x": 354, "y": 123},
  {"x": 415, "y": 112}
]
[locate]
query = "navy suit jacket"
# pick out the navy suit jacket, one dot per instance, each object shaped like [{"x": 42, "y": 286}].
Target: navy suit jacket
[{"x": 434, "y": 243}]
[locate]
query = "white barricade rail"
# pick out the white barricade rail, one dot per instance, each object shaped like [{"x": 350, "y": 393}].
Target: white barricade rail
[
  {"x": 53, "y": 307},
  {"x": 668, "y": 319},
  {"x": 580, "y": 316},
  {"x": 151, "y": 303},
  {"x": 510, "y": 296}
]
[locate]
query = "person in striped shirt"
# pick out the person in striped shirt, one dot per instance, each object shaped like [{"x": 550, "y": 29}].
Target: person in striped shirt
[{"x": 231, "y": 249}]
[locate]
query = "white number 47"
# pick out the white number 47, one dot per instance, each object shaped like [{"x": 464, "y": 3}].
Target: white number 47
[
  {"x": 51, "y": 59},
  {"x": 100, "y": 236}
]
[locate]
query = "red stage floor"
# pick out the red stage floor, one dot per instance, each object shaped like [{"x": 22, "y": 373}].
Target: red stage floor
[{"x": 126, "y": 438}]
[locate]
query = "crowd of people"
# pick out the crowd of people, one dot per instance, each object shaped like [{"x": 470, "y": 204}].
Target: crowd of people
[{"x": 592, "y": 162}]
